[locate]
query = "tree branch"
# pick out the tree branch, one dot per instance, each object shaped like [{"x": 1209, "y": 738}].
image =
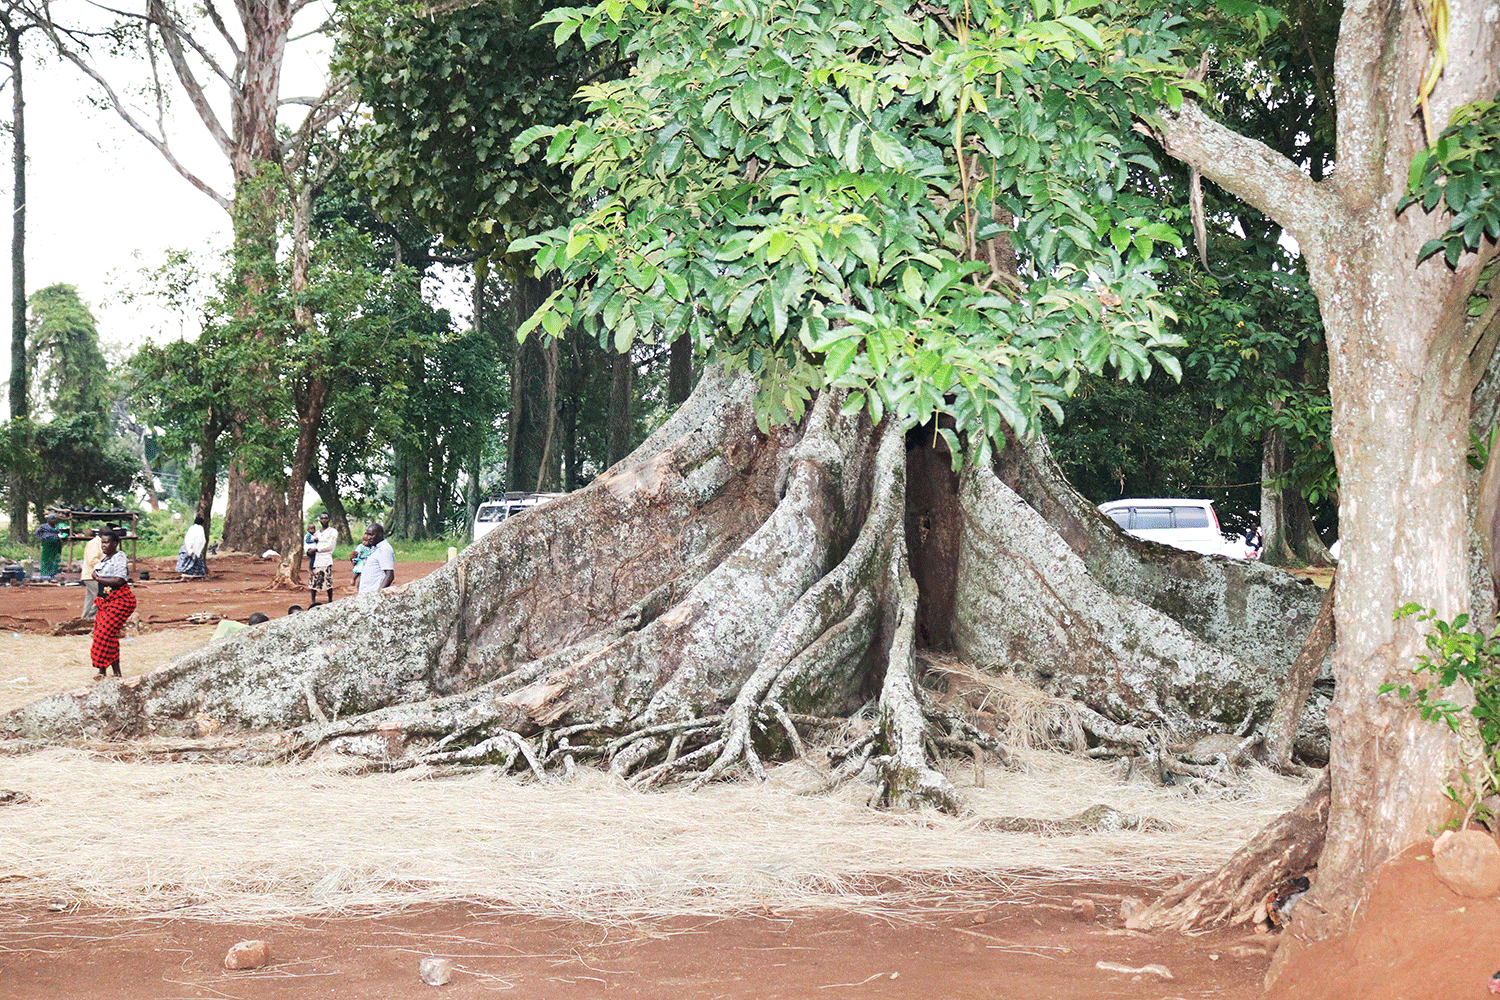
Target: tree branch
[
  {"x": 218, "y": 22},
  {"x": 159, "y": 143},
  {"x": 1250, "y": 170},
  {"x": 172, "y": 38}
]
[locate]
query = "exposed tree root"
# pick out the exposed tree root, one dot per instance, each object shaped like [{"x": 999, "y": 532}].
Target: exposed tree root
[
  {"x": 1281, "y": 730},
  {"x": 717, "y": 598},
  {"x": 1237, "y": 892}
]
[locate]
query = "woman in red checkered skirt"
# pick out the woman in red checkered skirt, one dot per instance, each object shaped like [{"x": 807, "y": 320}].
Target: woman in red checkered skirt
[{"x": 114, "y": 605}]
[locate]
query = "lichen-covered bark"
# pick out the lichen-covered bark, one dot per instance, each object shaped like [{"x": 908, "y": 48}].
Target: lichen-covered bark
[
  {"x": 1076, "y": 638},
  {"x": 1256, "y": 613},
  {"x": 708, "y": 601}
]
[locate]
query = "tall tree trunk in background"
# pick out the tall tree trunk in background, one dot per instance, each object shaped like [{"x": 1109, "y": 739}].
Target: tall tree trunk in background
[
  {"x": 260, "y": 513},
  {"x": 406, "y": 518},
  {"x": 208, "y": 466},
  {"x": 1291, "y": 537},
  {"x": 397, "y": 524},
  {"x": 680, "y": 369},
  {"x": 20, "y": 529},
  {"x": 471, "y": 495},
  {"x": 255, "y": 512},
  {"x": 434, "y": 496},
  {"x": 621, "y": 396},
  {"x": 338, "y": 516},
  {"x": 1273, "y": 497},
  {"x": 531, "y": 449}
]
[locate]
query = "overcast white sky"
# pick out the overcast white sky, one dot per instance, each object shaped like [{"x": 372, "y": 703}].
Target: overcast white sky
[{"x": 102, "y": 203}]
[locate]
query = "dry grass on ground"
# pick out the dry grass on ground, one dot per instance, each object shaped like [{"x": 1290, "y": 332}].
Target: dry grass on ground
[
  {"x": 238, "y": 842},
  {"x": 35, "y": 665}
]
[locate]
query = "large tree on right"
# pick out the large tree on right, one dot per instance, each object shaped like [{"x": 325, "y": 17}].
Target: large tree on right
[{"x": 1409, "y": 339}]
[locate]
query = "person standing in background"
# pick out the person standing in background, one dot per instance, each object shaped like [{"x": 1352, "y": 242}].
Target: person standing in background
[
  {"x": 50, "y": 535},
  {"x": 322, "y": 560},
  {"x": 92, "y": 553},
  {"x": 379, "y": 570}
]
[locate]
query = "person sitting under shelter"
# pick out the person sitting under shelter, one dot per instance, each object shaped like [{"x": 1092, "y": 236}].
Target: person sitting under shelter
[{"x": 191, "y": 562}]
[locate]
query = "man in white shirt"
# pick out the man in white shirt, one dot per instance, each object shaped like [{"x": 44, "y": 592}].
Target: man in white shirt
[
  {"x": 322, "y": 564},
  {"x": 93, "y": 552},
  {"x": 379, "y": 570}
]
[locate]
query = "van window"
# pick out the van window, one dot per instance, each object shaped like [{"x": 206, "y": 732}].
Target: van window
[
  {"x": 1152, "y": 517},
  {"x": 1190, "y": 517},
  {"x": 1121, "y": 516}
]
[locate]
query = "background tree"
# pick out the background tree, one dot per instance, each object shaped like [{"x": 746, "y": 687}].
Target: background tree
[
  {"x": 68, "y": 454},
  {"x": 14, "y": 28},
  {"x": 243, "y": 65},
  {"x": 448, "y": 91},
  {"x": 1252, "y": 407}
]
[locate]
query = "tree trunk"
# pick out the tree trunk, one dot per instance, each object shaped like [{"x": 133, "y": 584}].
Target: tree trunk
[
  {"x": 621, "y": 396},
  {"x": 256, "y": 514},
  {"x": 716, "y": 598},
  {"x": 338, "y": 516},
  {"x": 533, "y": 399},
  {"x": 680, "y": 369},
  {"x": 1401, "y": 376},
  {"x": 208, "y": 466},
  {"x": 20, "y": 528},
  {"x": 1274, "y": 519},
  {"x": 1281, "y": 731}
]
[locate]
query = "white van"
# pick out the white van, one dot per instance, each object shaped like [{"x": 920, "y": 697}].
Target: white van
[
  {"x": 1176, "y": 521},
  {"x": 492, "y": 512}
]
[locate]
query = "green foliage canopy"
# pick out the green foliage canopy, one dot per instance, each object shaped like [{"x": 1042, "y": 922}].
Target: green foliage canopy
[
  {"x": 69, "y": 376},
  {"x": 808, "y": 189},
  {"x": 447, "y": 93}
]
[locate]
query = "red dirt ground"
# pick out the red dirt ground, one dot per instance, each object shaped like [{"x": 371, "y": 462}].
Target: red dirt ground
[
  {"x": 1411, "y": 940},
  {"x": 1031, "y": 948}
]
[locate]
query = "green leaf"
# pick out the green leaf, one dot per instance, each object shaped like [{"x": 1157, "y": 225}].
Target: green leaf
[{"x": 839, "y": 358}]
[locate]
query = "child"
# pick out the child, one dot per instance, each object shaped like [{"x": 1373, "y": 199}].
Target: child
[{"x": 357, "y": 559}]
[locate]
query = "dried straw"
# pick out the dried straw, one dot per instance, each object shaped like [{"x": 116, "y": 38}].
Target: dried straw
[{"x": 231, "y": 842}]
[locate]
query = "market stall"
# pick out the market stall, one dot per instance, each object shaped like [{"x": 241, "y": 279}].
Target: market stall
[{"x": 73, "y": 516}]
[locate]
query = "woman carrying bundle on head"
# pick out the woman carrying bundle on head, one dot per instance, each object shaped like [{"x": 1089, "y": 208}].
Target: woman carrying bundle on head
[{"x": 113, "y": 607}]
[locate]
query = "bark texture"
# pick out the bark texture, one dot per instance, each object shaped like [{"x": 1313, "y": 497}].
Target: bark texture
[
  {"x": 1405, "y": 355},
  {"x": 708, "y": 602}
]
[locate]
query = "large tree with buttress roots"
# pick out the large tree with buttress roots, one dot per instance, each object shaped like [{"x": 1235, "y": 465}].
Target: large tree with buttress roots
[{"x": 897, "y": 233}]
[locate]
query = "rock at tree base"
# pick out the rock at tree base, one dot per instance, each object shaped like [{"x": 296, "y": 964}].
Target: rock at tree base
[
  {"x": 248, "y": 955},
  {"x": 1468, "y": 862}
]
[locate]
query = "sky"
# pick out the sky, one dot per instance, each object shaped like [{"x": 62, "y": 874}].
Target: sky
[{"x": 102, "y": 204}]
